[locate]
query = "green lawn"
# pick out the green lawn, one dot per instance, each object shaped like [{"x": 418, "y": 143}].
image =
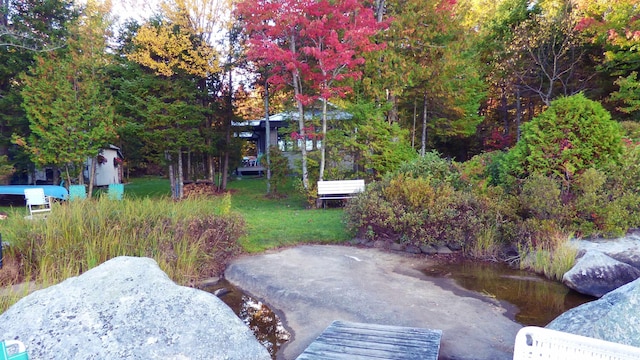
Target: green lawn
[
  {"x": 271, "y": 223},
  {"x": 283, "y": 222}
]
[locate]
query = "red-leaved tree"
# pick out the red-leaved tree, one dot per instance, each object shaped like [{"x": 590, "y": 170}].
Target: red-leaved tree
[
  {"x": 315, "y": 42},
  {"x": 338, "y": 34}
]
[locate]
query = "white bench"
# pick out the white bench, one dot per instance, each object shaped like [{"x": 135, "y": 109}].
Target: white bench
[
  {"x": 541, "y": 343},
  {"x": 339, "y": 189}
]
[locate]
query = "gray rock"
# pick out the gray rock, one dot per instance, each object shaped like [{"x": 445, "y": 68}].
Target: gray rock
[
  {"x": 314, "y": 285},
  {"x": 625, "y": 249},
  {"x": 443, "y": 249},
  {"x": 412, "y": 249},
  {"x": 614, "y": 317},
  {"x": 396, "y": 247},
  {"x": 127, "y": 308},
  {"x": 454, "y": 246},
  {"x": 428, "y": 249},
  {"x": 379, "y": 244},
  {"x": 596, "y": 274}
]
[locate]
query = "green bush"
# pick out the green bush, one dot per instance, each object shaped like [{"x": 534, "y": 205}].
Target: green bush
[
  {"x": 572, "y": 135},
  {"x": 433, "y": 166},
  {"x": 540, "y": 198},
  {"x": 425, "y": 210},
  {"x": 279, "y": 166},
  {"x": 367, "y": 146}
]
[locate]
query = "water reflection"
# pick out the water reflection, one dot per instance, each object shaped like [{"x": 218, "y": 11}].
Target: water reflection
[
  {"x": 264, "y": 323},
  {"x": 538, "y": 300}
]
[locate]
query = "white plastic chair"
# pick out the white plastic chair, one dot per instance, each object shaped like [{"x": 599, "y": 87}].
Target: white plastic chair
[
  {"x": 37, "y": 203},
  {"x": 534, "y": 342},
  {"x": 13, "y": 350}
]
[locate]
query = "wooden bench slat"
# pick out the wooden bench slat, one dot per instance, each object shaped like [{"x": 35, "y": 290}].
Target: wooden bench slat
[
  {"x": 339, "y": 189},
  {"x": 347, "y": 340}
]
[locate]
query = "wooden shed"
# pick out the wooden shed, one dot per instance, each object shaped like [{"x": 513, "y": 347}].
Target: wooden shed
[{"x": 108, "y": 166}]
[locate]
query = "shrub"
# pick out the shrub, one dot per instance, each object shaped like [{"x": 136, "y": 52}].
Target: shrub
[
  {"x": 433, "y": 166},
  {"x": 540, "y": 198},
  {"x": 421, "y": 210},
  {"x": 279, "y": 165},
  {"x": 573, "y": 134}
]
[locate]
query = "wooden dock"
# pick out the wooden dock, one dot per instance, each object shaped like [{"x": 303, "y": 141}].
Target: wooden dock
[{"x": 348, "y": 340}]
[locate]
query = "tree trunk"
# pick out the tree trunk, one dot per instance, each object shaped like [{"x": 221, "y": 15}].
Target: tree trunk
[
  {"x": 92, "y": 177},
  {"x": 415, "y": 116},
  {"x": 267, "y": 126},
  {"x": 225, "y": 168},
  {"x": 323, "y": 148},
  {"x": 190, "y": 171},
  {"x": 379, "y": 9},
  {"x": 392, "y": 116},
  {"x": 172, "y": 177},
  {"x": 503, "y": 109},
  {"x": 423, "y": 148},
  {"x": 212, "y": 168},
  {"x": 297, "y": 90},
  {"x": 518, "y": 113},
  {"x": 180, "y": 176}
]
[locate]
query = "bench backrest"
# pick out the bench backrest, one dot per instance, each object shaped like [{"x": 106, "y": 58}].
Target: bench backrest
[{"x": 340, "y": 187}]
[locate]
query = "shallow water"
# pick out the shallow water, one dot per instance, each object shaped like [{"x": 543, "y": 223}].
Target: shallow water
[
  {"x": 264, "y": 323},
  {"x": 530, "y": 299}
]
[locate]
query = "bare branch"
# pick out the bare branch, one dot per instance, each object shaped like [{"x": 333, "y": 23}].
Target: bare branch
[{"x": 11, "y": 38}]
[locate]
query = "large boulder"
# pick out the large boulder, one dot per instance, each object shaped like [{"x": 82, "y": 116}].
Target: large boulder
[
  {"x": 614, "y": 317},
  {"x": 596, "y": 274},
  {"x": 127, "y": 308}
]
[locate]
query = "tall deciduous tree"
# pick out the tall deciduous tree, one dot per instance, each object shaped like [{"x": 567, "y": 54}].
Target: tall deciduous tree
[
  {"x": 179, "y": 47},
  {"x": 33, "y": 24},
  {"x": 548, "y": 53},
  {"x": 319, "y": 43},
  {"x": 430, "y": 60},
  {"x": 338, "y": 35},
  {"x": 615, "y": 26},
  {"x": 275, "y": 38}
]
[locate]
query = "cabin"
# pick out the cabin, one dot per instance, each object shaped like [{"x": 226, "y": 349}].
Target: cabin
[{"x": 256, "y": 131}]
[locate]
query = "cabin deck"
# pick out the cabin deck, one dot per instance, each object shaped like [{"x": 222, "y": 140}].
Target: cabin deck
[{"x": 251, "y": 170}]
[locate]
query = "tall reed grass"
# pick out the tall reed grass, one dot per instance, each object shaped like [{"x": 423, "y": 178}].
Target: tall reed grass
[
  {"x": 189, "y": 239},
  {"x": 552, "y": 257}
]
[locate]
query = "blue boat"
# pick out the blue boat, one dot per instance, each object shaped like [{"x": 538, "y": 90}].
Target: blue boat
[{"x": 55, "y": 191}]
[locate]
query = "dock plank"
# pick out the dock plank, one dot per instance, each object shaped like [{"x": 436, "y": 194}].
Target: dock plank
[{"x": 349, "y": 340}]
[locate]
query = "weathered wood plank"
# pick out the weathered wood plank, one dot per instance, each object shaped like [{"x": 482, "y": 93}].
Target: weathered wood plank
[{"x": 348, "y": 340}]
